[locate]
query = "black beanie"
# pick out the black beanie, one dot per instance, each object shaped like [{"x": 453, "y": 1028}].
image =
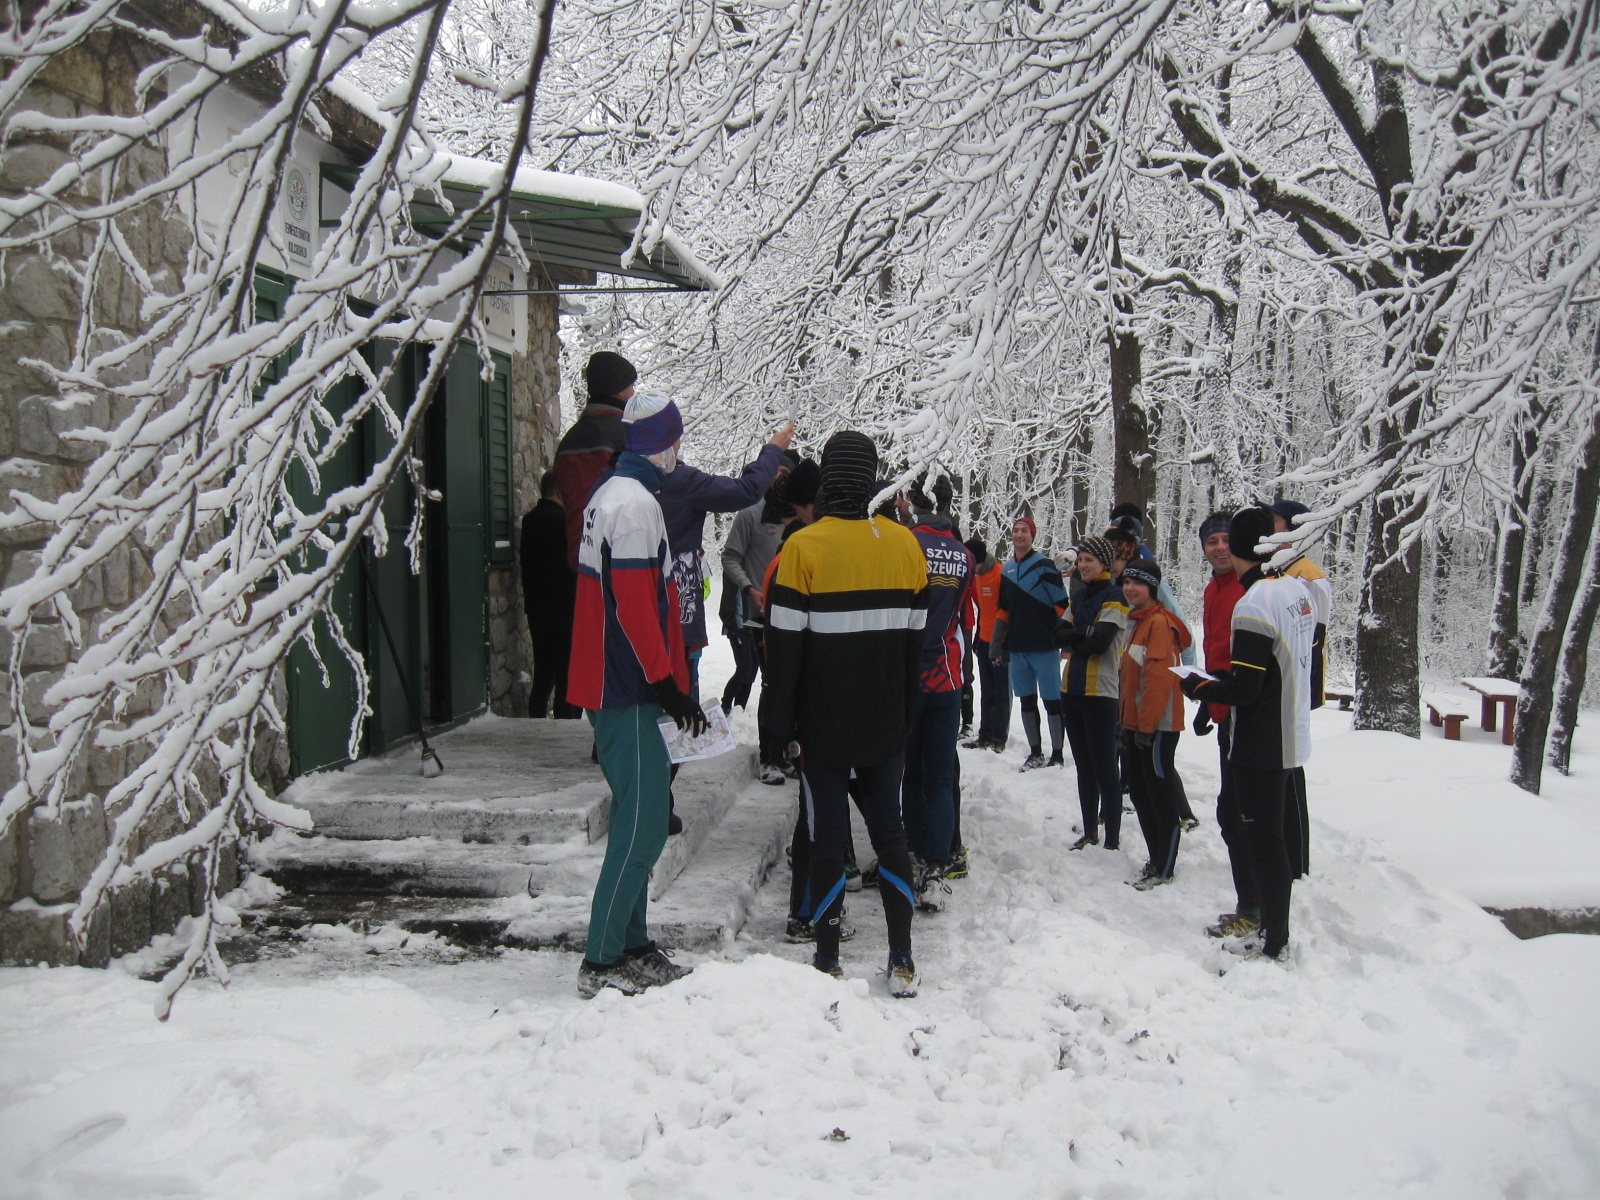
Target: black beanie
[
  {"x": 1143, "y": 570},
  {"x": 800, "y": 485},
  {"x": 608, "y": 375},
  {"x": 977, "y": 549},
  {"x": 1249, "y": 527},
  {"x": 849, "y": 467}
]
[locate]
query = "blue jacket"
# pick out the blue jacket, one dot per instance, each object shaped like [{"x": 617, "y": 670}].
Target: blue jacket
[
  {"x": 1031, "y": 592},
  {"x": 686, "y": 496}
]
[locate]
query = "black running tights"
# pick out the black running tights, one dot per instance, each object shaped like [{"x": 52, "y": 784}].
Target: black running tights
[
  {"x": 1262, "y": 794},
  {"x": 825, "y": 792}
]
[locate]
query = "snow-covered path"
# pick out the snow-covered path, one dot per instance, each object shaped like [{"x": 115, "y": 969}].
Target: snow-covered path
[{"x": 1073, "y": 1038}]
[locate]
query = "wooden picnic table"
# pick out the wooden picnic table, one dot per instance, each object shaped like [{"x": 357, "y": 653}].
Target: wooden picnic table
[{"x": 1504, "y": 692}]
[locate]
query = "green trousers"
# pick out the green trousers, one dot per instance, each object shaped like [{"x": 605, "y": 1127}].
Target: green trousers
[{"x": 634, "y": 760}]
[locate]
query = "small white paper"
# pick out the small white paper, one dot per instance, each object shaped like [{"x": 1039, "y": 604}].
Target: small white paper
[
  {"x": 1186, "y": 670},
  {"x": 717, "y": 739}
]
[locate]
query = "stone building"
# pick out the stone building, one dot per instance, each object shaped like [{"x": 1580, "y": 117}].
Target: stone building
[{"x": 462, "y": 642}]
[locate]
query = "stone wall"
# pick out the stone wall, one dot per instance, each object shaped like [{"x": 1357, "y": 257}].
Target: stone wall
[
  {"x": 44, "y": 862},
  {"x": 535, "y": 430}
]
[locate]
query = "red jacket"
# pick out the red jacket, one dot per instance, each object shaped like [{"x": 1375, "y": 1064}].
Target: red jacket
[
  {"x": 1222, "y": 593},
  {"x": 583, "y": 459},
  {"x": 626, "y": 635},
  {"x": 986, "y": 598}
]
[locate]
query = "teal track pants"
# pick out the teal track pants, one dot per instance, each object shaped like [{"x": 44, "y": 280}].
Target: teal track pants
[{"x": 634, "y": 760}]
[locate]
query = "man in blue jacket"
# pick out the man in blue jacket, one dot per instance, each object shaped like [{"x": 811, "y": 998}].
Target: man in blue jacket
[
  {"x": 1032, "y": 598},
  {"x": 686, "y": 497}
]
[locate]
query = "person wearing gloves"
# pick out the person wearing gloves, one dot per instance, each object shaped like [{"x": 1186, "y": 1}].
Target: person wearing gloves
[
  {"x": 628, "y": 671},
  {"x": 844, "y": 640},
  {"x": 1152, "y": 717},
  {"x": 1093, "y": 634},
  {"x": 1284, "y": 515},
  {"x": 994, "y": 683},
  {"x": 1268, "y": 687},
  {"x": 586, "y": 451},
  {"x": 1223, "y": 592},
  {"x": 1032, "y": 598}
]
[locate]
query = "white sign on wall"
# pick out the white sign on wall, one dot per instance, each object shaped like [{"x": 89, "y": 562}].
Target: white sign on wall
[
  {"x": 295, "y": 205},
  {"x": 500, "y": 312}
]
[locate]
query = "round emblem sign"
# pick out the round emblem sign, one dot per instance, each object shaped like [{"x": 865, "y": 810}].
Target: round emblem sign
[{"x": 296, "y": 194}]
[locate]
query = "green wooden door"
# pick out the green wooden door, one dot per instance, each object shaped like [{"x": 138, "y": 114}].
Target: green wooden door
[
  {"x": 322, "y": 697},
  {"x": 465, "y": 549},
  {"x": 394, "y": 587}
]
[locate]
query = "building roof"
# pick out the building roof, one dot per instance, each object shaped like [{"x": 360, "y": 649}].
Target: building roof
[{"x": 566, "y": 222}]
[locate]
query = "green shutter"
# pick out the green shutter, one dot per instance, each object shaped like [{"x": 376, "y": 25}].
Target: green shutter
[
  {"x": 497, "y": 471},
  {"x": 465, "y": 496}
]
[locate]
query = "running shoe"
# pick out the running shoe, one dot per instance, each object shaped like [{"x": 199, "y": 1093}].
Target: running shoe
[
  {"x": 1088, "y": 839},
  {"x": 1151, "y": 879},
  {"x": 828, "y": 967},
  {"x": 998, "y": 747},
  {"x": 958, "y": 865},
  {"x": 1056, "y": 761},
  {"x": 929, "y": 887},
  {"x": 852, "y": 877},
  {"x": 624, "y": 975},
  {"x": 656, "y": 965},
  {"x": 771, "y": 775},
  {"x": 1034, "y": 761},
  {"x": 1245, "y": 945},
  {"x": 1190, "y": 824},
  {"x": 1233, "y": 925},
  {"x": 790, "y": 769},
  {"x": 975, "y": 744},
  {"x": 800, "y": 930},
  {"x": 869, "y": 874},
  {"x": 902, "y": 977}
]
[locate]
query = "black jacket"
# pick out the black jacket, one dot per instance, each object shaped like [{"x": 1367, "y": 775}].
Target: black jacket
[{"x": 549, "y": 585}]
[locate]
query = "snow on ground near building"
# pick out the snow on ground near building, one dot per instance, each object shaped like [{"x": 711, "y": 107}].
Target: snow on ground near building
[{"x": 1074, "y": 1038}]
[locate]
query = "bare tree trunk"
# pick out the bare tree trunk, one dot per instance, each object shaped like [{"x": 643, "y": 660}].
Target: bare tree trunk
[
  {"x": 1575, "y": 665},
  {"x": 1133, "y": 476},
  {"x": 1387, "y": 692},
  {"x": 1544, "y": 648},
  {"x": 1505, "y": 650}
]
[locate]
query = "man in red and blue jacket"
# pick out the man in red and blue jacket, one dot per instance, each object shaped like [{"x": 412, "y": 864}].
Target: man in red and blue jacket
[
  {"x": 628, "y": 671},
  {"x": 927, "y": 795}
]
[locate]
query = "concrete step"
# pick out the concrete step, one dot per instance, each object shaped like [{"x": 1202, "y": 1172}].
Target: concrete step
[
  {"x": 451, "y": 867},
  {"x": 702, "y": 908},
  {"x": 505, "y": 781}
]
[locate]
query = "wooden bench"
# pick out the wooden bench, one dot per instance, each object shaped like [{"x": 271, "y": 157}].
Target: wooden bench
[
  {"x": 1503, "y": 692},
  {"x": 1449, "y": 711},
  {"x": 1346, "y": 699}
]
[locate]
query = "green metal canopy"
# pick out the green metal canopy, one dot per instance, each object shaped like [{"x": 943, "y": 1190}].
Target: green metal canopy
[{"x": 587, "y": 229}]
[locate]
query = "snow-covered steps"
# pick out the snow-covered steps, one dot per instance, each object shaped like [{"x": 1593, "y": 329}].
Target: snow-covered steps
[
  {"x": 395, "y": 860},
  {"x": 503, "y": 849},
  {"x": 703, "y": 905},
  {"x": 505, "y": 780},
  {"x": 709, "y": 903}
]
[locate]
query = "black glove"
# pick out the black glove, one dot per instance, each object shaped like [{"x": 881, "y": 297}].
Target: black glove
[
  {"x": 679, "y": 707},
  {"x": 1190, "y": 685},
  {"x": 1143, "y": 740},
  {"x": 1202, "y": 720},
  {"x": 1068, "y": 635}
]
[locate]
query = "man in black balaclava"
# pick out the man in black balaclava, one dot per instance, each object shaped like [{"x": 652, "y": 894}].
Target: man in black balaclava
[{"x": 845, "y": 618}]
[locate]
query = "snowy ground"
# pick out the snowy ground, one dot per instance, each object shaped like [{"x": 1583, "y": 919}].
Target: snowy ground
[{"x": 1073, "y": 1038}]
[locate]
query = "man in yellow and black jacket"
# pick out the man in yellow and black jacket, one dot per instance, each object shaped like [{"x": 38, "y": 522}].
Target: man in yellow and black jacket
[{"x": 844, "y": 639}]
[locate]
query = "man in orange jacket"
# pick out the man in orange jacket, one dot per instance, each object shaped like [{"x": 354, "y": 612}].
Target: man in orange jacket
[{"x": 994, "y": 695}]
